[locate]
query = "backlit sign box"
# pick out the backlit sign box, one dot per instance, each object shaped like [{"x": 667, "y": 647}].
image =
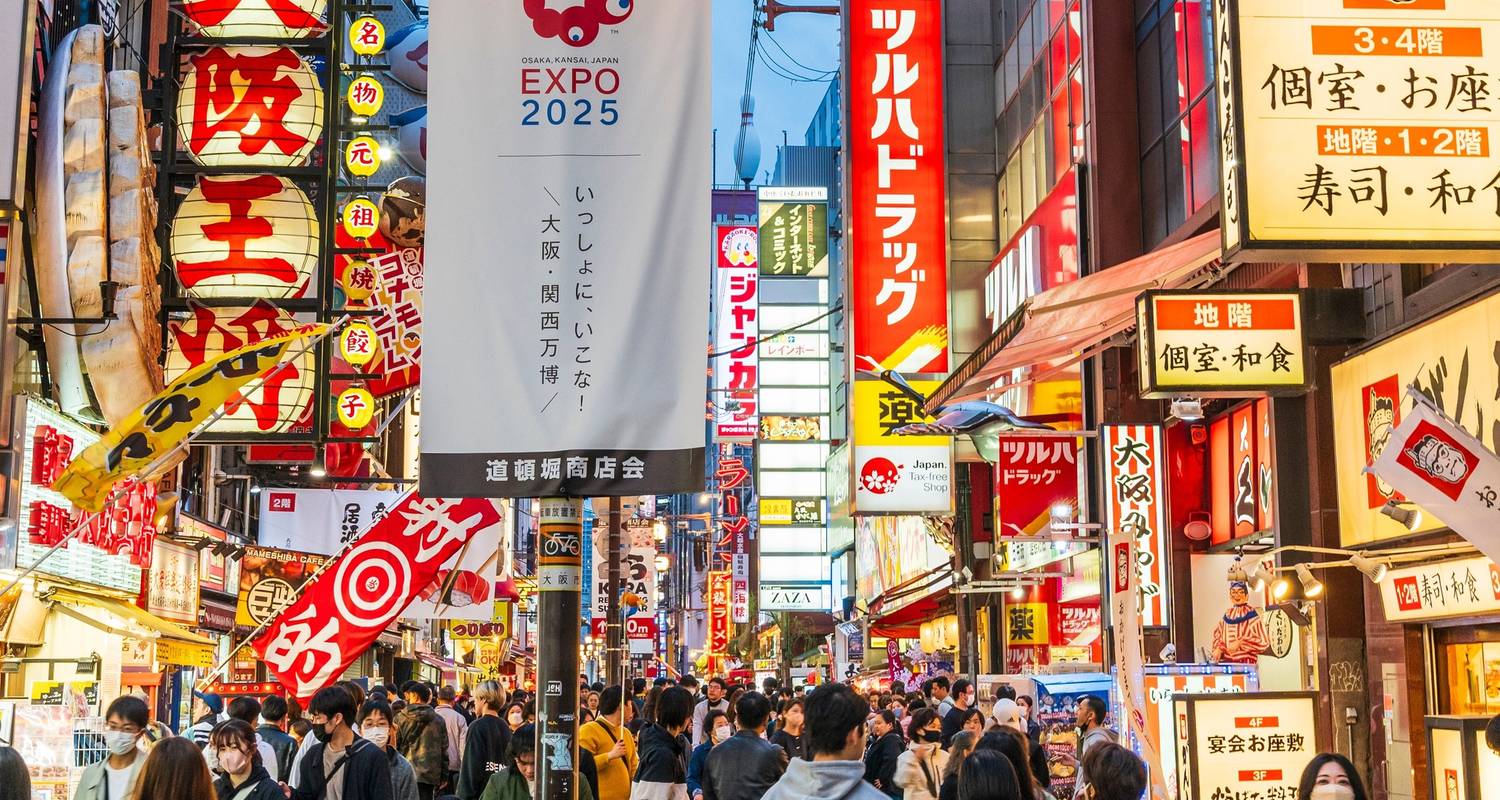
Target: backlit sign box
[{"x": 1218, "y": 344}]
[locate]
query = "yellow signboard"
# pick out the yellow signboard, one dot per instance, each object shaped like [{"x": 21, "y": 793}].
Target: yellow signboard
[
  {"x": 879, "y": 409},
  {"x": 1220, "y": 344},
  {"x": 188, "y": 654},
  {"x": 1452, "y": 360},
  {"x": 1359, "y": 127}
]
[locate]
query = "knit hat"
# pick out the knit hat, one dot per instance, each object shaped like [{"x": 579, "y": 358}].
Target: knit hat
[{"x": 1008, "y": 714}]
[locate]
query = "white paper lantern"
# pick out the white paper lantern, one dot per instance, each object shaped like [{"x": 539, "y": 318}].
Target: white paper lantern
[
  {"x": 272, "y": 407},
  {"x": 249, "y": 106},
  {"x": 252, "y": 236},
  {"x": 268, "y": 19}
]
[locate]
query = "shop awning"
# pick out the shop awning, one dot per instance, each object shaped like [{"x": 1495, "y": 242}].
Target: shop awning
[
  {"x": 437, "y": 662},
  {"x": 175, "y": 644},
  {"x": 906, "y": 621},
  {"x": 1068, "y": 323}
]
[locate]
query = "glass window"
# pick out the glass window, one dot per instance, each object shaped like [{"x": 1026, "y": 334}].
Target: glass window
[
  {"x": 1171, "y": 89},
  {"x": 1062, "y": 136},
  {"x": 1171, "y": 155},
  {"x": 1074, "y": 30},
  {"x": 1012, "y": 71},
  {"x": 1075, "y": 97},
  {"x": 1199, "y": 37},
  {"x": 1029, "y": 178},
  {"x": 1153, "y": 199},
  {"x": 1059, "y": 61},
  {"x": 1055, "y": 12},
  {"x": 1148, "y": 82},
  {"x": 1205, "y": 166},
  {"x": 1025, "y": 47},
  {"x": 1013, "y": 193}
]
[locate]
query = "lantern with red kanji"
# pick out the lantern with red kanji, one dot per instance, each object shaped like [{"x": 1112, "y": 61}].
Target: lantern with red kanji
[
  {"x": 272, "y": 405},
  {"x": 249, "y": 107},
  {"x": 355, "y": 407},
  {"x": 359, "y": 344},
  {"x": 253, "y": 236},
  {"x": 264, "y": 19}
]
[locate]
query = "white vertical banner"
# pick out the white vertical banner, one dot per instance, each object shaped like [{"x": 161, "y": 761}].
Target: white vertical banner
[
  {"x": 567, "y": 178},
  {"x": 1130, "y": 670},
  {"x": 639, "y": 577},
  {"x": 1436, "y": 464}
]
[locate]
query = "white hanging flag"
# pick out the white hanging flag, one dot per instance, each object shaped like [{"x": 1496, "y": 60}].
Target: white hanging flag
[{"x": 1439, "y": 466}]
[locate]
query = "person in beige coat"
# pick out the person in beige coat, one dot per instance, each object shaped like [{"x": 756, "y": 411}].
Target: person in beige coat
[{"x": 919, "y": 770}]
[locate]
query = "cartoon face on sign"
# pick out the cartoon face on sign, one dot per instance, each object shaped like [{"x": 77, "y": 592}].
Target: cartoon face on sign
[
  {"x": 579, "y": 25},
  {"x": 1439, "y": 459}
]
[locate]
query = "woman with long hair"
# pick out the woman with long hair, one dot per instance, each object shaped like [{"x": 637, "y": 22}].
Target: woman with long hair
[
  {"x": 175, "y": 770},
  {"x": 245, "y": 775},
  {"x": 1014, "y": 745},
  {"x": 648, "y": 711},
  {"x": 959, "y": 748},
  {"x": 988, "y": 775},
  {"x": 1330, "y": 776},
  {"x": 884, "y": 753},
  {"x": 15, "y": 780}
]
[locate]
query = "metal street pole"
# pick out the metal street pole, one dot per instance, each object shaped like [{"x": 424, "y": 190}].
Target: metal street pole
[
  {"x": 559, "y": 583},
  {"x": 614, "y": 621}
]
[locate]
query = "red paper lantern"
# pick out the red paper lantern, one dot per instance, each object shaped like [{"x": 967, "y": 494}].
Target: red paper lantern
[{"x": 267, "y": 19}]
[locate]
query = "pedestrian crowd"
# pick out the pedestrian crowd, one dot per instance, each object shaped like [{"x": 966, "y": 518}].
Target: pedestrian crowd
[{"x": 674, "y": 740}]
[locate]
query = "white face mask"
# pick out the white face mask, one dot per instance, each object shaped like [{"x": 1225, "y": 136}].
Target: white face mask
[
  {"x": 377, "y": 736},
  {"x": 721, "y": 733},
  {"x": 119, "y": 742},
  {"x": 1332, "y": 791}
]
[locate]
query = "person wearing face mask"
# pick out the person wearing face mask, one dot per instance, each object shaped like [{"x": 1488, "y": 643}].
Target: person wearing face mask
[
  {"x": 718, "y": 728},
  {"x": 375, "y": 726},
  {"x": 245, "y": 776},
  {"x": 1114, "y": 773},
  {"x": 518, "y": 781},
  {"x": 1330, "y": 776},
  {"x": 515, "y": 716},
  {"x": 919, "y": 770},
  {"x": 341, "y": 765},
  {"x": 114, "y": 778}
]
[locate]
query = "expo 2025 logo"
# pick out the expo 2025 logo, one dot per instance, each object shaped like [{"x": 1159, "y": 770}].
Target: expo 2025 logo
[{"x": 579, "y": 24}]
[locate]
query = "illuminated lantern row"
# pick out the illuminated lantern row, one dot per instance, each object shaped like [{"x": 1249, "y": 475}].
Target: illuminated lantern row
[
  {"x": 249, "y": 107},
  {"x": 365, "y": 96},
  {"x": 367, "y": 36},
  {"x": 275, "y": 405},
  {"x": 358, "y": 280},
  {"x": 245, "y": 236},
  {"x": 266, "y": 19}
]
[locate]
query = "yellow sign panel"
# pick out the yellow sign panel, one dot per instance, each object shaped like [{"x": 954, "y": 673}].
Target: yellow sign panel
[
  {"x": 879, "y": 409},
  {"x": 1359, "y": 127},
  {"x": 1213, "y": 343},
  {"x": 775, "y": 511},
  {"x": 1369, "y": 401},
  {"x": 188, "y": 654},
  {"x": 151, "y": 433},
  {"x": 472, "y": 629},
  {"x": 1027, "y": 623}
]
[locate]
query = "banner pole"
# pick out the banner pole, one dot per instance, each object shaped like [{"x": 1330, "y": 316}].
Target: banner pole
[{"x": 559, "y": 581}]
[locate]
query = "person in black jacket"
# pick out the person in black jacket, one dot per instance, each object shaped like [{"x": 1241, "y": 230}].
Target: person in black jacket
[
  {"x": 487, "y": 747},
  {"x": 663, "y": 749},
  {"x": 746, "y": 765},
  {"x": 245, "y": 777},
  {"x": 341, "y": 766},
  {"x": 880, "y": 761},
  {"x": 273, "y": 712}
]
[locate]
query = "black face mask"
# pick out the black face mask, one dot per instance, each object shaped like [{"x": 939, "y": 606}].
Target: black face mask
[
  {"x": 932, "y": 736},
  {"x": 321, "y": 732}
]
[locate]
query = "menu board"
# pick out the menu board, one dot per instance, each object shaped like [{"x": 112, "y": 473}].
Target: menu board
[{"x": 1252, "y": 746}]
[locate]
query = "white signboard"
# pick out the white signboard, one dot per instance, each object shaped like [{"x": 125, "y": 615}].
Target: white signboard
[
  {"x": 318, "y": 521},
  {"x": 565, "y": 298},
  {"x": 1248, "y": 745},
  {"x": 16, "y": 33},
  {"x": 793, "y": 597},
  {"x": 1436, "y": 464},
  {"x": 1460, "y": 588}
]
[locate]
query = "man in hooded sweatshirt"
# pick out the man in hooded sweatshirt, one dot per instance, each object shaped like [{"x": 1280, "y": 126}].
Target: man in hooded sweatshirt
[
  {"x": 422, "y": 737},
  {"x": 835, "y": 734}
]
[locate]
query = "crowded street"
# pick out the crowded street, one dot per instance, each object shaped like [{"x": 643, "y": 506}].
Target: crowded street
[{"x": 749, "y": 400}]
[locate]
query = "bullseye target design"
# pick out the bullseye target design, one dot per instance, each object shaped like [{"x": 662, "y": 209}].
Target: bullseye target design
[{"x": 373, "y": 584}]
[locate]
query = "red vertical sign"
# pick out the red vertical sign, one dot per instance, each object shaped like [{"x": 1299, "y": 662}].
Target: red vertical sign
[
  {"x": 1265, "y": 474},
  {"x": 1034, "y": 475},
  {"x": 1221, "y": 481},
  {"x": 1243, "y": 468},
  {"x": 896, "y": 185}
]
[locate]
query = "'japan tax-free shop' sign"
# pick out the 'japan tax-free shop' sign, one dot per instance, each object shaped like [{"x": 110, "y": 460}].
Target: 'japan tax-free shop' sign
[{"x": 1359, "y": 127}]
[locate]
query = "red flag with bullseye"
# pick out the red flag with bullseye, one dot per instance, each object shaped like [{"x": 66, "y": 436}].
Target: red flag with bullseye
[{"x": 341, "y": 612}]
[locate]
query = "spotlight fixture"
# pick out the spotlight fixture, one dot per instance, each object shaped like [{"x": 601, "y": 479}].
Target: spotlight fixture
[
  {"x": 1018, "y": 593},
  {"x": 318, "y": 470},
  {"x": 1281, "y": 587},
  {"x": 1311, "y": 587},
  {"x": 1374, "y": 570},
  {"x": 1187, "y": 409},
  {"x": 1411, "y": 518},
  {"x": 1261, "y": 576},
  {"x": 254, "y": 488}
]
